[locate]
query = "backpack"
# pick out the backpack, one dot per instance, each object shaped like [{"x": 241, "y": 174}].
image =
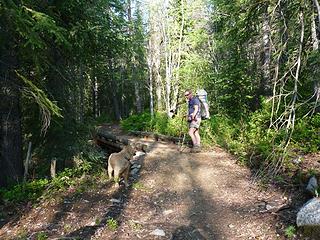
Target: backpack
[{"x": 202, "y": 95}]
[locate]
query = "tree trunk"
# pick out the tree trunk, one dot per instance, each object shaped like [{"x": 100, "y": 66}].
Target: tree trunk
[
  {"x": 157, "y": 65},
  {"x": 95, "y": 97},
  {"x": 315, "y": 40},
  {"x": 315, "y": 30},
  {"x": 150, "y": 68},
  {"x": 168, "y": 64},
  {"x": 175, "y": 87},
  {"x": 137, "y": 96},
  {"x": 265, "y": 84},
  {"x": 11, "y": 163},
  {"x": 317, "y": 7},
  {"x": 151, "y": 95},
  {"x": 113, "y": 92},
  {"x": 115, "y": 101},
  {"x": 81, "y": 93}
]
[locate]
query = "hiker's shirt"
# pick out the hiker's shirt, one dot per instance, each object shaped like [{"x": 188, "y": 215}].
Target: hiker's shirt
[{"x": 194, "y": 101}]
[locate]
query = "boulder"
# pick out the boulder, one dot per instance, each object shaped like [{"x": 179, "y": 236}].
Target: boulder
[
  {"x": 309, "y": 214},
  {"x": 308, "y": 217}
]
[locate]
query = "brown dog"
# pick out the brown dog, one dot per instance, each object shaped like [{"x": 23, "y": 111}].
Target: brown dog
[{"x": 119, "y": 164}]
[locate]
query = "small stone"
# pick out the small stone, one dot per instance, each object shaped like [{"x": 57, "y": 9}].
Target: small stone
[
  {"x": 115, "y": 200},
  {"x": 139, "y": 153},
  {"x": 312, "y": 185},
  {"x": 134, "y": 171},
  {"x": 269, "y": 207},
  {"x": 158, "y": 232},
  {"x": 167, "y": 212}
]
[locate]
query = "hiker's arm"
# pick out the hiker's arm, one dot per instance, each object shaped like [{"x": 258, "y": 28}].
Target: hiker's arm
[{"x": 196, "y": 109}]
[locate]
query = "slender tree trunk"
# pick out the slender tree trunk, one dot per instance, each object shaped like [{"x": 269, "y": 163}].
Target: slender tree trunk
[
  {"x": 315, "y": 31},
  {"x": 81, "y": 93},
  {"x": 132, "y": 65},
  {"x": 150, "y": 60},
  {"x": 151, "y": 94},
  {"x": 317, "y": 7},
  {"x": 177, "y": 77},
  {"x": 123, "y": 104},
  {"x": 158, "y": 81},
  {"x": 95, "y": 96},
  {"x": 113, "y": 92},
  {"x": 315, "y": 40},
  {"x": 138, "y": 97},
  {"x": 159, "y": 91},
  {"x": 265, "y": 84},
  {"x": 11, "y": 163},
  {"x": 168, "y": 64}
]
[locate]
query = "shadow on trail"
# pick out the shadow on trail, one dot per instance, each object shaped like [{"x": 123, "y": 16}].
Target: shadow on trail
[
  {"x": 113, "y": 211},
  {"x": 200, "y": 226},
  {"x": 187, "y": 233}
]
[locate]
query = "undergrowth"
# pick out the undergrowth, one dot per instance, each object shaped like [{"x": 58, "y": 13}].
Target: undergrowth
[
  {"x": 89, "y": 162},
  {"x": 249, "y": 138}
]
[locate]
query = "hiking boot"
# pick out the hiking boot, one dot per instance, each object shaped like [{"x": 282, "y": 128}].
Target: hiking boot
[{"x": 196, "y": 149}]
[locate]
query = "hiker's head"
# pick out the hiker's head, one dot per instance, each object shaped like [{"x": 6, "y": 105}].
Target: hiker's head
[{"x": 188, "y": 94}]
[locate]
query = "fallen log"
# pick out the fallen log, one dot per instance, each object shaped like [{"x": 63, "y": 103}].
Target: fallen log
[
  {"x": 104, "y": 133},
  {"x": 104, "y": 138},
  {"x": 161, "y": 137},
  {"x": 112, "y": 146}
]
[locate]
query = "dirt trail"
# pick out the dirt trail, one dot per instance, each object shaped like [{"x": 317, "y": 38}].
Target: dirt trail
[{"x": 179, "y": 195}]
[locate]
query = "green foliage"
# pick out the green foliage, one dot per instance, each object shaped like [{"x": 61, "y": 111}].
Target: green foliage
[
  {"x": 135, "y": 226},
  {"x": 254, "y": 143},
  {"x": 137, "y": 122},
  {"x": 29, "y": 191},
  {"x": 41, "y": 236},
  {"x": 306, "y": 136},
  {"x": 159, "y": 124},
  {"x": 290, "y": 231},
  {"x": 22, "y": 234},
  {"x": 90, "y": 161},
  {"x": 112, "y": 224},
  {"x": 140, "y": 186}
]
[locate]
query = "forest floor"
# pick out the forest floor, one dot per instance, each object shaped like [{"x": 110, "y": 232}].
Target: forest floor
[{"x": 176, "y": 195}]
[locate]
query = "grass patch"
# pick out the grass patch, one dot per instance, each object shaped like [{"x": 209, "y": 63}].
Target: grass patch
[{"x": 112, "y": 224}]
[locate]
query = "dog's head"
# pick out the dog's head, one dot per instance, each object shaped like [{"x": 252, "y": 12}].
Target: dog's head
[
  {"x": 140, "y": 147},
  {"x": 130, "y": 151}
]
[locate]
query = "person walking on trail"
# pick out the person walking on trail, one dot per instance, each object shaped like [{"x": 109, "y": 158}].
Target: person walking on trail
[{"x": 194, "y": 119}]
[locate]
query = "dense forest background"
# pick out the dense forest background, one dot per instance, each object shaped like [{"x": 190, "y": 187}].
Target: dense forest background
[{"x": 66, "y": 66}]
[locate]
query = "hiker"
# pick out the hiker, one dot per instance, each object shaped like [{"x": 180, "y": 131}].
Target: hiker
[{"x": 194, "y": 119}]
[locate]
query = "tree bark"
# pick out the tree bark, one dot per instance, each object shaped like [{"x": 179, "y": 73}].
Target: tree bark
[
  {"x": 138, "y": 97},
  {"x": 113, "y": 93},
  {"x": 150, "y": 68},
  {"x": 95, "y": 97},
  {"x": 315, "y": 40},
  {"x": 265, "y": 84},
  {"x": 104, "y": 133},
  {"x": 176, "y": 84},
  {"x": 315, "y": 31},
  {"x": 317, "y": 6},
  {"x": 158, "y": 83},
  {"x": 81, "y": 93}
]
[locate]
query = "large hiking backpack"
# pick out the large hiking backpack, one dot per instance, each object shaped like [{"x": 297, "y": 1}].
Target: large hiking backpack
[{"x": 204, "y": 108}]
